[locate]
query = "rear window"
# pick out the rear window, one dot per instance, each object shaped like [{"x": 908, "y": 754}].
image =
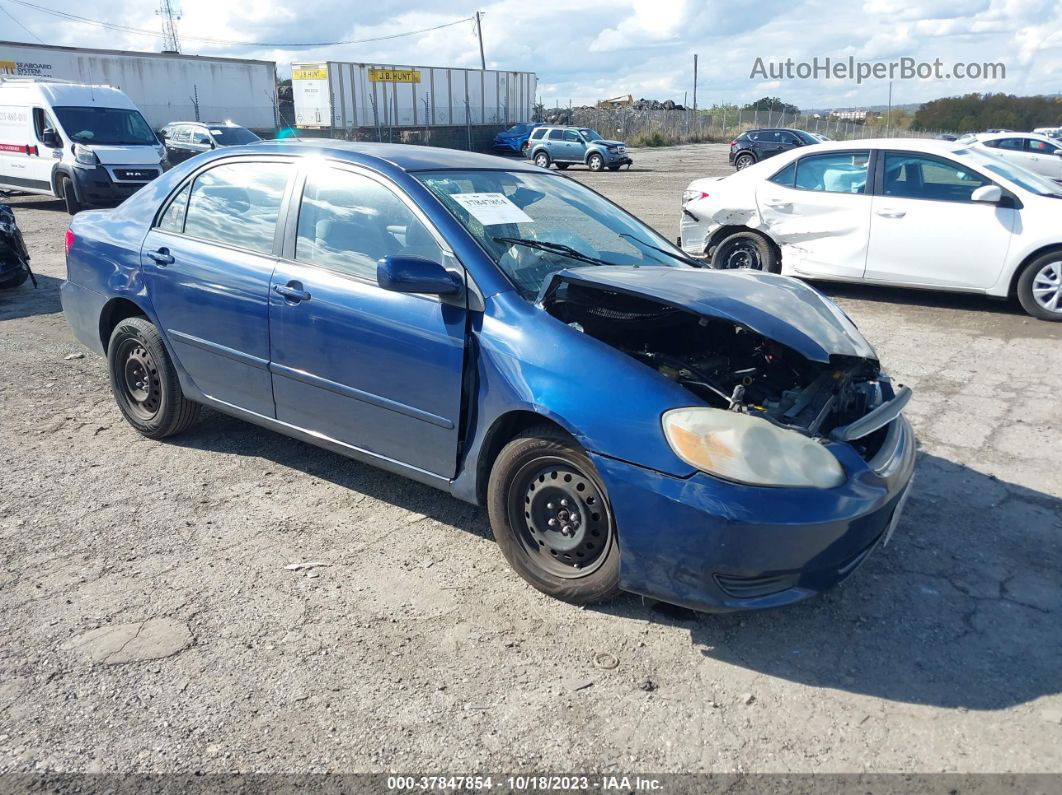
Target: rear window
[{"x": 238, "y": 204}]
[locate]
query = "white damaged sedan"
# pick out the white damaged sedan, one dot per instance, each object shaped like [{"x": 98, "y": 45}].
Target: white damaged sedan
[{"x": 912, "y": 213}]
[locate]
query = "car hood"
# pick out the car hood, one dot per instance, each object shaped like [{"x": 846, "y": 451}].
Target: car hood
[
  {"x": 603, "y": 142},
  {"x": 776, "y": 307}
]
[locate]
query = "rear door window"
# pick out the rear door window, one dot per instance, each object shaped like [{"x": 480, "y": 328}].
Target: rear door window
[
  {"x": 237, "y": 204},
  {"x": 837, "y": 172},
  {"x": 556, "y": 135}
]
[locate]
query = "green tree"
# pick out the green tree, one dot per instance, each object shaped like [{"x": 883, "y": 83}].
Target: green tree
[{"x": 773, "y": 104}]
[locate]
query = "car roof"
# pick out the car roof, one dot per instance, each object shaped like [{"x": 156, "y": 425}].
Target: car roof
[
  {"x": 406, "y": 157},
  {"x": 908, "y": 144},
  {"x": 996, "y": 136}
]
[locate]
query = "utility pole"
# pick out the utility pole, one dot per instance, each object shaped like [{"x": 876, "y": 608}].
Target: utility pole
[
  {"x": 479, "y": 30},
  {"x": 888, "y": 116},
  {"x": 694, "y": 84},
  {"x": 170, "y": 13}
]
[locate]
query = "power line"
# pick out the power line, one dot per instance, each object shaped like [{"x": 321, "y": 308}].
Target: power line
[
  {"x": 282, "y": 45},
  {"x": 30, "y": 32}
]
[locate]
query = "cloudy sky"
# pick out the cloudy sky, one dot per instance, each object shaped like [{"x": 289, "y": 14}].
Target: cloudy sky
[{"x": 584, "y": 51}]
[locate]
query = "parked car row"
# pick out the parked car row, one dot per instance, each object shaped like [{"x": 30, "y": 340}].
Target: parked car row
[
  {"x": 912, "y": 213},
  {"x": 90, "y": 146}
]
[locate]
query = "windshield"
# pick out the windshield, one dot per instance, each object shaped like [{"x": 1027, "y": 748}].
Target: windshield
[
  {"x": 1019, "y": 175},
  {"x": 233, "y": 136},
  {"x": 105, "y": 126},
  {"x": 543, "y": 209},
  {"x": 590, "y": 135}
]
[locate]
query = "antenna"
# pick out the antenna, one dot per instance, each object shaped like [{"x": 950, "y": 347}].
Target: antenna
[{"x": 170, "y": 13}]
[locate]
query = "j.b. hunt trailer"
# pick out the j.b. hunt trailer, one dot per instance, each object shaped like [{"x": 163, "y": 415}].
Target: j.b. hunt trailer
[{"x": 347, "y": 96}]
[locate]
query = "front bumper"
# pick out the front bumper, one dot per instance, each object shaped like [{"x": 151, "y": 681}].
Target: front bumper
[
  {"x": 716, "y": 546},
  {"x": 96, "y": 188},
  {"x": 509, "y": 146}
]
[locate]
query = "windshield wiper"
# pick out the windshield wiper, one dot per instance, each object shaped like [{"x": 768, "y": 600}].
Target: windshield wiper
[
  {"x": 680, "y": 257},
  {"x": 553, "y": 248}
]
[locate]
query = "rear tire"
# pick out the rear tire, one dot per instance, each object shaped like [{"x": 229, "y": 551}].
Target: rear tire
[
  {"x": 743, "y": 161},
  {"x": 552, "y": 519},
  {"x": 144, "y": 381},
  {"x": 542, "y": 159},
  {"x": 1040, "y": 287},
  {"x": 73, "y": 206},
  {"x": 745, "y": 250}
]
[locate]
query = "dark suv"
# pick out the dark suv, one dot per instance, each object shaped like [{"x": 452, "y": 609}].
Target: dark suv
[
  {"x": 753, "y": 146},
  {"x": 185, "y": 139}
]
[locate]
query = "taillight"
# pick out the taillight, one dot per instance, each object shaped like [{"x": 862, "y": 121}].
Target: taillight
[
  {"x": 733, "y": 143},
  {"x": 69, "y": 240},
  {"x": 692, "y": 196}
]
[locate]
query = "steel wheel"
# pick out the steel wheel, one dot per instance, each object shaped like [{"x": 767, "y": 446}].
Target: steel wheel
[
  {"x": 743, "y": 254},
  {"x": 140, "y": 380},
  {"x": 1047, "y": 287},
  {"x": 561, "y": 517}
]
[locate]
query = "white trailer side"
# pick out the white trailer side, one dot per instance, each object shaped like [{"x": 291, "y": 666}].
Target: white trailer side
[
  {"x": 166, "y": 87},
  {"x": 345, "y": 96}
]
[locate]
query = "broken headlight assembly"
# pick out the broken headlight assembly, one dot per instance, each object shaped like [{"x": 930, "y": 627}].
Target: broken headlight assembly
[{"x": 748, "y": 449}]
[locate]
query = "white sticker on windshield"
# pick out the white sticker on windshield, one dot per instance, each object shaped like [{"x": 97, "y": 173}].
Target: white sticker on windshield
[
  {"x": 491, "y": 209},
  {"x": 216, "y": 132}
]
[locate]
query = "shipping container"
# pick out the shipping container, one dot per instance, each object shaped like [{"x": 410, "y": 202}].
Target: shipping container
[
  {"x": 166, "y": 87},
  {"x": 345, "y": 96}
]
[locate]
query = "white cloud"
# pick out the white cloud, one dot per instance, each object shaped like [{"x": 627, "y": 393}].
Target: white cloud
[{"x": 601, "y": 48}]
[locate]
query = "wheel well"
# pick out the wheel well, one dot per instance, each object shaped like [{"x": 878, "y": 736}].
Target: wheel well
[
  {"x": 723, "y": 232},
  {"x": 1013, "y": 291},
  {"x": 114, "y": 312},
  {"x": 503, "y": 431}
]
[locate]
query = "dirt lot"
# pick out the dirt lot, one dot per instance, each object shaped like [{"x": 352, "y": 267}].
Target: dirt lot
[{"x": 150, "y": 623}]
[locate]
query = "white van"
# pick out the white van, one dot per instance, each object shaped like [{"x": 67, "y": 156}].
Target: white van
[{"x": 87, "y": 145}]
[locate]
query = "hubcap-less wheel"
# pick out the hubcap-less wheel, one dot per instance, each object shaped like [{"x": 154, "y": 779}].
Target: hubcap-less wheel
[
  {"x": 1047, "y": 287},
  {"x": 141, "y": 383},
  {"x": 561, "y": 517},
  {"x": 743, "y": 255},
  {"x": 542, "y": 161},
  {"x": 743, "y": 162}
]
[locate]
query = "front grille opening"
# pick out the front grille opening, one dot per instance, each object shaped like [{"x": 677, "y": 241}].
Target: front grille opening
[{"x": 753, "y": 587}]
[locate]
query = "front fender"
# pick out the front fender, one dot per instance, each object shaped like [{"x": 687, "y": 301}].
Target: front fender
[{"x": 527, "y": 360}]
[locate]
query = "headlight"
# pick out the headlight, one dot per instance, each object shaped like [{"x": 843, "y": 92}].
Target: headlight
[
  {"x": 749, "y": 449},
  {"x": 85, "y": 156},
  {"x": 160, "y": 150}
]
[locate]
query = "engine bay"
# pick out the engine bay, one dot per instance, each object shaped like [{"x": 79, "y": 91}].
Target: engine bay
[{"x": 727, "y": 365}]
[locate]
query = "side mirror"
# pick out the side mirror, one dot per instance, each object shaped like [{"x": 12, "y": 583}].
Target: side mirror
[
  {"x": 403, "y": 274},
  {"x": 50, "y": 138},
  {"x": 987, "y": 193},
  {"x": 213, "y": 145}
]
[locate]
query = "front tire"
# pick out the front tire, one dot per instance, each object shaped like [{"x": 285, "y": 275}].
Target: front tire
[
  {"x": 144, "y": 381},
  {"x": 595, "y": 162},
  {"x": 73, "y": 206},
  {"x": 542, "y": 160},
  {"x": 1040, "y": 287},
  {"x": 552, "y": 519},
  {"x": 742, "y": 162},
  {"x": 746, "y": 250}
]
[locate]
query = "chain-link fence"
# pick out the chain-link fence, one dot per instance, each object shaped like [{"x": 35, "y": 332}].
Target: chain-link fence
[{"x": 664, "y": 127}]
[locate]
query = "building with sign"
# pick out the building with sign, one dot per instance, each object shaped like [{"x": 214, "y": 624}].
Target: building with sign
[
  {"x": 353, "y": 98},
  {"x": 165, "y": 86}
]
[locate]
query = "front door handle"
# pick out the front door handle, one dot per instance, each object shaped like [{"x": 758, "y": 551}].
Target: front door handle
[
  {"x": 292, "y": 291},
  {"x": 886, "y": 212},
  {"x": 162, "y": 256}
]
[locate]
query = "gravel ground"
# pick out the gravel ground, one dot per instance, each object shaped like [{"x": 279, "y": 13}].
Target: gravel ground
[{"x": 152, "y": 620}]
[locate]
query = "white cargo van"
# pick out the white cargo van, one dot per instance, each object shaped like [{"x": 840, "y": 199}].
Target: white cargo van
[{"x": 87, "y": 145}]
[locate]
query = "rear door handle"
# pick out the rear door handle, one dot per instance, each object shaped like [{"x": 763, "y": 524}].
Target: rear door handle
[
  {"x": 886, "y": 212},
  {"x": 162, "y": 256},
  {"x": 292, "y": 291}
]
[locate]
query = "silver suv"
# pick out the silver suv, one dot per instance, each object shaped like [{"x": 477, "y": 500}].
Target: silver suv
[{"x": 566, "y": 145}]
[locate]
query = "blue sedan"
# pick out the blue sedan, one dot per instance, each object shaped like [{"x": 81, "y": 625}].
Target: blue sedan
[{"x": 717, "y": 439}]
